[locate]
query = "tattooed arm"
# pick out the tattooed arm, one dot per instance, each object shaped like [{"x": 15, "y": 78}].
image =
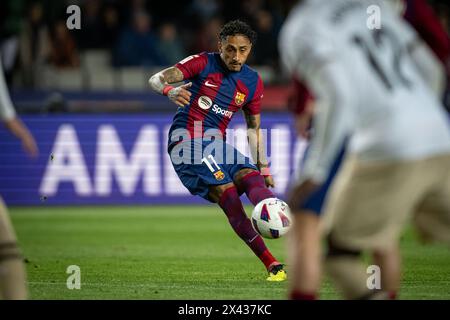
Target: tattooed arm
[
  {"x": 256, "y": 143},
  {"x": 161, "y": 83},
  {"x": 164, "y": 78}
]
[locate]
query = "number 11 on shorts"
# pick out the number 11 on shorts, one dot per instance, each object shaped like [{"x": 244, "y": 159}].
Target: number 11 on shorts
[{"x": 208, "y": 164}]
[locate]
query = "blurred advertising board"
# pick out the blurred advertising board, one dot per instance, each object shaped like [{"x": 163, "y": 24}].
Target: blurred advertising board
[{"x": 120, "y": 159}]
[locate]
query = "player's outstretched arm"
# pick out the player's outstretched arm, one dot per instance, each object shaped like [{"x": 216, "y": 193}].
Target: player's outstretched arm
[
  {"x": 17, "y": 128},
  {"x": 257, "y": 147},
  {"x": 12, "y": 122},
  {"x": 161, "y": 83}
]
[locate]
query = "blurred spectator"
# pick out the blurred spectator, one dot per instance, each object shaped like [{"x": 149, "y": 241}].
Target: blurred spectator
[
  {"x": 204, "y": 10},
  {"x": 129, "y": 10},
  {"x": 206, "y": 39},
  {"x": 137, "y": 45},
  {"x": 34, "y": 45},
  {"x": 249, "y": 10},
  {"x": 265, "y": 51},
  {"x": 169, "y": 45},
  {"x": 91, "y": 34},
  {"x": 120, "y": 27},
  {"x": 63, "y": 50},
  {"x": 111, "y": 26}
]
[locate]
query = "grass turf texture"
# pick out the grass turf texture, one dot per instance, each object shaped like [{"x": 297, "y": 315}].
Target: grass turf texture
[{"x": 174, "y": 253}]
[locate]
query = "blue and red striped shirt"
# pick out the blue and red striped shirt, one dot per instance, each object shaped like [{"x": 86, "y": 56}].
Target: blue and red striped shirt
[{"x": 217, "y": 94}]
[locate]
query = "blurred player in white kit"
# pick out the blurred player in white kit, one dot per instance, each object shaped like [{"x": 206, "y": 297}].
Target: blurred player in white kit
[{"x": 376, "y": 92}]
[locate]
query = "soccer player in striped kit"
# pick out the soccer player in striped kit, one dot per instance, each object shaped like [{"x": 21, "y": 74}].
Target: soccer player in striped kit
[{"x": 220, "y": 84}]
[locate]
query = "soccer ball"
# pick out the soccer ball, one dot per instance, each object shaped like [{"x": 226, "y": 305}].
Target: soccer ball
[{"x": 271, "y": 218}]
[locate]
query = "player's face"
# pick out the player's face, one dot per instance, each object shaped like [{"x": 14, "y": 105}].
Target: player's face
[{"x": 234, "y": 51}]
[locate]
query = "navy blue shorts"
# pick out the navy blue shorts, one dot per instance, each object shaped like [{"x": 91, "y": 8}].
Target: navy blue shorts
[
  {"x": 200, "y": 164},
  {"x": 317, "y": 199}
]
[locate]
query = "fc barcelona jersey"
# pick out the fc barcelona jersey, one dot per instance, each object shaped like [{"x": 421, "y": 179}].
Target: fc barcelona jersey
[{"x": 216, "y": 94}]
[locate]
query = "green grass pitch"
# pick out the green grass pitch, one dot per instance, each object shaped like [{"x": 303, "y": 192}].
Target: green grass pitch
[{"x": 174, "y": 252}]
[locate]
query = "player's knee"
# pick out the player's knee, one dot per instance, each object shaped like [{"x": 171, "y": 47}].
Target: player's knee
[
  {"x": 216, "y": 192},
  {"x": 337, "y": 251},
  {"x": 220, "y": 189},
  {"x": 241, "y": 174}
]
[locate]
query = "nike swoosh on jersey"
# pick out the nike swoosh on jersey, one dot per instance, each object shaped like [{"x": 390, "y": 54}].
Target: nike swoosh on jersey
[{"x": 210, "y": 84}]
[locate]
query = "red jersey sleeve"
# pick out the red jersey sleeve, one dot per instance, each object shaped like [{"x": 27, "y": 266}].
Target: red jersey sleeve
[
  {"x": 193, "y": 65},
  {"x": 423, "y": 18},
  {"x": 254, "y": 106},
  {"x": 299, "y": 97}
]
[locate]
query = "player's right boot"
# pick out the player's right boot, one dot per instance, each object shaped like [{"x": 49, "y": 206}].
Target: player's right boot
[{"x": 277, "y": 274}]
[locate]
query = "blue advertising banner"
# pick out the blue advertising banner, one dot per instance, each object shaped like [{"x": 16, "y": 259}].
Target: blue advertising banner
[{"x": 119, "y": 159}]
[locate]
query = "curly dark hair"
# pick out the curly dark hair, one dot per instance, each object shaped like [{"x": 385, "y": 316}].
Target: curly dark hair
[{"x": 235, "y": 27}]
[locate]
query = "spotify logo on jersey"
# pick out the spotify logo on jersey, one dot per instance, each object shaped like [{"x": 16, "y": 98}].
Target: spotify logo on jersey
[{"x": 204, "y": 102}]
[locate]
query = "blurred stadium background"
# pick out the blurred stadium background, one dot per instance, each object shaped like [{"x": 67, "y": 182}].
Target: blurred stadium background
[{"x": 102, "y": 139}]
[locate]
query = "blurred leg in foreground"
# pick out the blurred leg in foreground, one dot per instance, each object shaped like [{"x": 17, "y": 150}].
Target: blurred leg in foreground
[{"x": 12, "y": 269}]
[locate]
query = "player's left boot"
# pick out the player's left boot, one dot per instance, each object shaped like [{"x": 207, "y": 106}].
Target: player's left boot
[{"x": 277, "y": 274}]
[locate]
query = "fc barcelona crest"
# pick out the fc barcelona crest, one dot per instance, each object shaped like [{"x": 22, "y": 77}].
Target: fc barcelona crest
[
  {"x": 219, "y": 175},
  {"x": 239, "y": 98}
]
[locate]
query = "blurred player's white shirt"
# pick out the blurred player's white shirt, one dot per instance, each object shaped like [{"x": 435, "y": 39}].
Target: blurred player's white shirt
[
  {"x": 7, "y": 111},
  {"x": 367, "y": 86}
]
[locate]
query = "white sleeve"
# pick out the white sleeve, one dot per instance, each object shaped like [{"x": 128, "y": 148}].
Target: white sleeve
[
  {"x": 7, "y": 111},
  {"x": 332, "y": 120}
]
